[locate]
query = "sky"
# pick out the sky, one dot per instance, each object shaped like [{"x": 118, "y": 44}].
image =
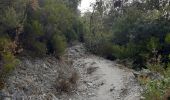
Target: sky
[{"x": 85, "y": 5}]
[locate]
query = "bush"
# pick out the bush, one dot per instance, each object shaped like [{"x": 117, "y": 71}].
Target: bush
[
  {"x": 10, "y": 19},
  {"x": 32, "y": 40},
  {"x": 9, "y": 61},
  {"x": 122, "y": 52},
  {"x": 167, "y": 38},
  {"x": 39, "y": 48},
  {"x": 7, "y": 57},
  {"x": 67, "y": 84},
  {"x": 58, "y": 45},
  {"x": 99, "y": 45},
  {"x": 159, "y": 89},
  {"x": 153, "y": 44}
]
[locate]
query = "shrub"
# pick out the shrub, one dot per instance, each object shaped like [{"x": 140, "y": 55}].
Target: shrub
[
  {"x": 39, "y": 48},
  {"x": 58, "y": 45},
  {"x": 32, "y": 40},
  {"x": 118, "y": 51},
  {"x": 74, "y": 78},
  {"x": 63, "y": 85},
  {"x": 167, "y": 38},
  {"x": 9, "y": 61},
  {"x": 122, "y": 52},
  {"x": 99, "y": 45},
  {"x": 67, "y": 84},
  {"x": 154, "y": 64},
  {"x": 10, "y": 18},
  {"x": 37, "y": 28},
  {"x": 7, "y": 57},
  {"x": 153, "y": 44},
  {"x": 158, "y": 89}
]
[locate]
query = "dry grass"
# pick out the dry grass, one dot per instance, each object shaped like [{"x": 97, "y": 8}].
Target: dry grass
[
  {"x": 74, "y": 78},
  {"x": 143, "y": 79},
  {"x": 66, "y": 85}
]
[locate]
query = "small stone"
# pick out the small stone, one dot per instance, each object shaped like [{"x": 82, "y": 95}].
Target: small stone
[
  {"x": 90, "y": 84},
  {"x": 93, "y": 93},
  {"x": 89, "y": 94},
  {"x": 142, "y": 98},
  {"x": 83, "y": 93}
]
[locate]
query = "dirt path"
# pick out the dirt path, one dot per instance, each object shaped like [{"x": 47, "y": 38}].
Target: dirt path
[{"x": 102, "y": 79}]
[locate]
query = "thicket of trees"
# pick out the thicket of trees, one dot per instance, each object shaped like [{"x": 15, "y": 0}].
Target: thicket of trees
[
  {"x": 136, "y": 32},
  {"x": 36, "y": 28}
]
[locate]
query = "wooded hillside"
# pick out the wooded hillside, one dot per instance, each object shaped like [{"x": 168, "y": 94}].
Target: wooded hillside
[{"x": 137, "y": 33}]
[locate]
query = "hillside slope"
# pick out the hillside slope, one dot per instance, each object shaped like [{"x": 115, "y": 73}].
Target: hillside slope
[{"x": 100, "y": 79}]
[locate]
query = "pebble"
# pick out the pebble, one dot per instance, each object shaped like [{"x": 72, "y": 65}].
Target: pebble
[
  {"x": 90, "y": 84},
  {"x": 142, "y": 98}
]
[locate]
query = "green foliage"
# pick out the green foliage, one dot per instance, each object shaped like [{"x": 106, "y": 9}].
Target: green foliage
[
  {"x": 7, "y": 57},
  {"x": 58, "y": 45},
  {"x": 153, "y": 44},
  {"x": 10, "y": 19},
  {"x": 119, "y": 51},
  {"x": 157, "y": 89},
  {"x": 37, "y": 28},
  {"x": 157, "y": 68},
  {"x": 39, "y": 49},
  {"x": 123, "y": 52},
  {"x": 9, "y": 61},
  {"x": 167, "y": 38},
  {"x": 40, "y": 27},
  {"x": 61, "y": 19},
  {"x": 49, "y": 28},
  {"x": 138, "y": 30},
  {"x": 33, "y": 42},
  {"x": 154, "y": 91},
  {"x": 99, "y": 45},
  {"x": 168, "y": 71}
]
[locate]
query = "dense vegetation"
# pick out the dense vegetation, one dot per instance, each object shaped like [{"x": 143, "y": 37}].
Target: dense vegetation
[
  {"x": 137, "y": 32},
  {"x": 36, "y": 28}
]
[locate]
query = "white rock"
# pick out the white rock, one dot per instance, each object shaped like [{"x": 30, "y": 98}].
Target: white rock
[
  {"x": 142, "y": 98},
  {"x": 90, "y": 84}
]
